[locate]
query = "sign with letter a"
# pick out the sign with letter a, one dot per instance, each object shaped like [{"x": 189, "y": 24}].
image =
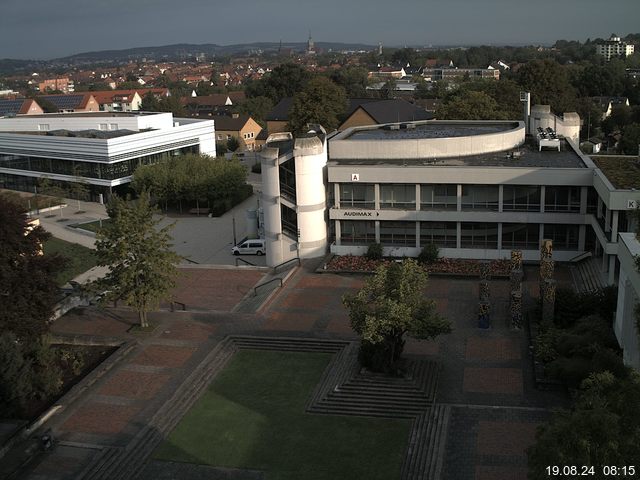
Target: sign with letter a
[{"x": 355, "y": 177}]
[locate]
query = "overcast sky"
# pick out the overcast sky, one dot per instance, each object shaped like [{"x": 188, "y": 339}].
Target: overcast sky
[{"x": 43, "y": 29}]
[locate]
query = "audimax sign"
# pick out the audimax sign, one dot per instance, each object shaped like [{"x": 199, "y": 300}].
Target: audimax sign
[{"x": 360, "y": 213}]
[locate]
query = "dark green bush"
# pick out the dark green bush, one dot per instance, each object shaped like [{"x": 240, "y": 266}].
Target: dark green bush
[
  {"x": 375, "y": 357},
  {"x": 571, "y": 306},
  {"x": 429, "y": 254},
  {"x": 374, "y": 252}
]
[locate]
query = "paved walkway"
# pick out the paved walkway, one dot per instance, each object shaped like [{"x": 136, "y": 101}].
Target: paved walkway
[{"x": 486, "y": 379}]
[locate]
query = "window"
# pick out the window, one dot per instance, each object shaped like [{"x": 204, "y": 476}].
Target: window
[
  {"x": 524, "y": 236},
  {"x": 562, "y": 199},
  {"x": 479, "y": 235},
  {"x": 480, "y": 197},
  {"x": 219, "y": 137},
  {"x": 357, "y": 195},
  {"x": 438, "y": 197},
  {"x": 521, "y": 198},
  {"x": 103, "y": 126},
  {"x": 398, "y": 233},
  {"x": 357, "y": 233},
  {"x": 402, "y": 196},
  {"x": 565, "y": 237},
  {"x": 113, "y": 126},
  {"x": 43, "y": 127},
  {"x": 442, "y": 234}
]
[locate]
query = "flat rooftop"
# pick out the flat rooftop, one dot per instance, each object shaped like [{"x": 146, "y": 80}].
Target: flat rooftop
[
  {"x": 622, "y": 171},
  {"x": 526, "y": 156},
  {"x": 89, "y": 114},
  {"x": 430, "y": 130},
  {"x": 100, "y": 134}
]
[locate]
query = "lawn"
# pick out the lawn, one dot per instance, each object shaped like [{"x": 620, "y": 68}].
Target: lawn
[
  {"x": 79, "y": 258},
  {"x": 91, "y": 226},
  {"x": 253, "y": 417}
]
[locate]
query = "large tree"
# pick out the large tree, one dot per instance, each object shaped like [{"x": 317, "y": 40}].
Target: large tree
[
  {"x": 470, "y": 105},
  {"x": 548, "y": 82},
  {"x": 392, "y": 304},
  {"x": 602, "y": 428},
  {"x": 321, "y": 101},
  {"x": 284, "y": 81},
  {"x": 142, "y": 266},
  {"x": 28, "y": 289}
]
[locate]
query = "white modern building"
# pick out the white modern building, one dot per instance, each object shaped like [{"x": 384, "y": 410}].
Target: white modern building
[
  {"x": 476, "y": 189},
  {"x": 614, "y": 47},
  {"x": 101, "y": 148}
]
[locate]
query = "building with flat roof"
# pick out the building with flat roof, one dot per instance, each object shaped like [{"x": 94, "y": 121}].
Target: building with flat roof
[
  {"x": 99, "y": 148},
  {"x": 476, "y": 189},
  {"x": 614, "y": 47}
]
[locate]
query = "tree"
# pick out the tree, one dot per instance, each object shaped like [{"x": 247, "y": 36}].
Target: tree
[
  {"x": 321, "y": 101},
  {"x": 548, "y": 82},
  {"x": 390, "y": 305},
  {"x": 284, "y": 81},
  {"x": 601, "y": 429},
  {"x": 233, "y": 144},
  {"x": 354, "y": 79},
  {"x": 470, "y": 105},
  {"x": 142, "y": 268},
  {"x": 150, "y": 103},
  {"x": 28, "y": 290},
  {"x": 630, "y": 142},
  {"x": 257, "y": 108}
]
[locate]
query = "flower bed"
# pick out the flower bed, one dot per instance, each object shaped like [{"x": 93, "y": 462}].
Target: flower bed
[{"x": 454, "y": 266}]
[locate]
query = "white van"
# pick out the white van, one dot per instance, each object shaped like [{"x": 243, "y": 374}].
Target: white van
[{"x": 253, "y": 246}]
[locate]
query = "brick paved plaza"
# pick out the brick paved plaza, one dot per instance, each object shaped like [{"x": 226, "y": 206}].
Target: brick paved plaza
[{"x": 486, "y": 375}]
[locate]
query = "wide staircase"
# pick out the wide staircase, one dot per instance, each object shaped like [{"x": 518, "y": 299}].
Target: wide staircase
[{"x": 587, "y": 276}]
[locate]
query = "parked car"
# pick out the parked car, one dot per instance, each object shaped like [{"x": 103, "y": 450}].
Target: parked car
[{"x": 253, "y": 246}]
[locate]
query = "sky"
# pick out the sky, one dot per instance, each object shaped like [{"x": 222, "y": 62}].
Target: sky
[{"x": 45, "y": 29}]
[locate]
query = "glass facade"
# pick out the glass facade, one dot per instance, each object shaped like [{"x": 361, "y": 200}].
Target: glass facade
[
  {"x": 442, "y": 234},
  {"x": 520, "y": 198},
  {"x": 438, "y": 197},
  {"x": 562, "y": 199},
  {"x": 357, "y": 233},
  {"x": 479, "y": 235},
  {"x": 398, "y": 233},
  {"x": 289, "y": 220},
  {"x": 565, "y": 237},
  {"x": 480, "y": 197},
  {"x": 354, "y": 195},
  {"x": 287, "y": 171},
  {"x": 522, "y": 236},
  {"x": 90, "y": 170},
  {"x": 400, "y": 196}
]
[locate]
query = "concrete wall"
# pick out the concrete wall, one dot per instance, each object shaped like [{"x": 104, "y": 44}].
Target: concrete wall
[
  {"x": 79, "y": 121},
  {"x": 344, "y": 147},
  {"x": 628, "y": 296}
]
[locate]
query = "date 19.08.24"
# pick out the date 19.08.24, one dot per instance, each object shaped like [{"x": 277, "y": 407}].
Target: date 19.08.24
[{"x": 570, "y": 471}]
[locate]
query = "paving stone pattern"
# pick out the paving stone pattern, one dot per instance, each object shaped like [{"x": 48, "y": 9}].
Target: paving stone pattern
[{"x": 477, "y": 424}]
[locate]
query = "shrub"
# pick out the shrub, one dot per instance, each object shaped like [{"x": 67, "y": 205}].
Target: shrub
[
  {"x": 429, "y": 254},
  {"x": 374, "y": 252},
  {"x": 544, "y": 345}
]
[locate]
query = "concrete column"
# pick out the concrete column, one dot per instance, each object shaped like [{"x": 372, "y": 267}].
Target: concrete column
[
  {"x": 336, "y": 194},
  {"x": 612, "y": 270},
  {"x": 614, "y": 226},
  {"x": 418, "y": 197},
  {"x": 377, "y": 231},
  {"x": 500, "y": 201},
  {"x": 541, "y": 235},
  {"x": 584, "y": 192},
  {"x": 599, "y": 209},
  {"x": 607, "y": 221},
  {"x": 376, "y": 196},
  {"x": 500, "y": 227},
  {"x": 417, "y": 234},
  {"x": 338, "y": 232},
  {"x": 458, "y": 231},
  {"x": 459, "y": 196},
  {"x": 543, "y": 192},
  {"x": 582, "y": 236}
]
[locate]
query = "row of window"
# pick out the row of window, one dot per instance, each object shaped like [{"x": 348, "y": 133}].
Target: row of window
[
  {"x": 472, "y": 234},
  {"x": 105, "y": 171},
  {"x": 474, "y": 197}
]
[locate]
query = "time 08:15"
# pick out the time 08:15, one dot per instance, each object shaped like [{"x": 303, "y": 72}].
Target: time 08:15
[{"x": 607, "y": 470}]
